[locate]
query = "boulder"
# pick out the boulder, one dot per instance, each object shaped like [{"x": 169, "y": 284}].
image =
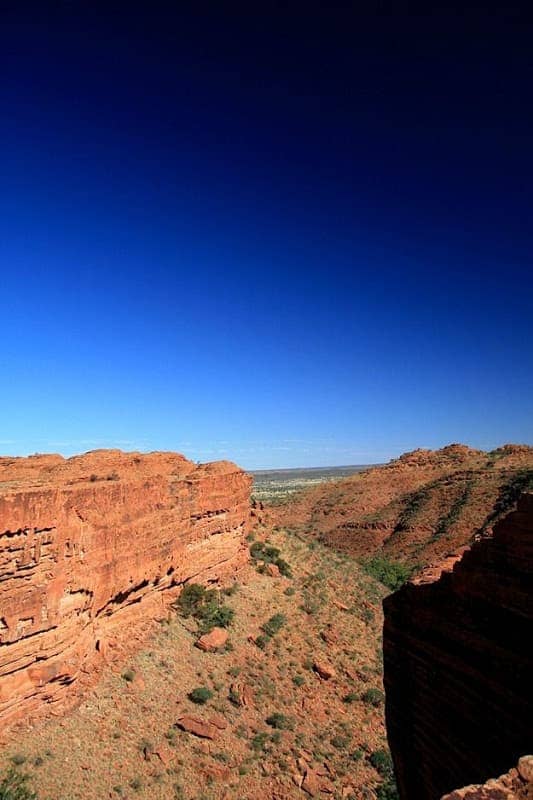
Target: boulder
[
  {"x": 324, "y": 670},
  {"x": 213, "y": 640},
  {"x": 199, "y": 727}
]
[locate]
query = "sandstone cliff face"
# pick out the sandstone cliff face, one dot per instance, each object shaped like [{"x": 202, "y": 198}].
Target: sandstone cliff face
[
  {"x": 458, "y": 659},
  {"x": 91, "y": 545}
]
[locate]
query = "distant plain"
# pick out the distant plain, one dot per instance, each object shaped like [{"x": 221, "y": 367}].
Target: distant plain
[{"x": 276, "y": 486}]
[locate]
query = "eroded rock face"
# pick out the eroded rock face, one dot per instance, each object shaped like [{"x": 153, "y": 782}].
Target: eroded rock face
[
  {"x": 517, "y": 784},
  {"x": 92, "y": 545},
  {"x": 459, "y": 663}
]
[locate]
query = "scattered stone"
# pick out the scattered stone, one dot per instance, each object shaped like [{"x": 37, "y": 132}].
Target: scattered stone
[
  {"x": 164, "y": 755},
  {"x": 329, "y": 635},
  {"x": 272, "y": 570},
  {"x": 324, "y": 670},
  {"x": 213, "y": 640},
  {"x": 199, "y": 727},
  {"x": 217, "y": 772},
  {"x": 242, "y": 694},
  {"x": 314, "y": 783},
  {"x": 342, "y": 606}
]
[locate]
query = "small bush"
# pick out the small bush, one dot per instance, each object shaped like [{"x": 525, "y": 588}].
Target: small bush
[
  {"x": 200, "y": 695},
  {"x": 341, "y": 741},
  {"x": 279, "y": 721},
  {"x": 191, "y": 598},
  {"x": 18, "y": 759},
  {"x": 298, "y": 680},
  {"x": 259, "y": 741},
  {"x": 373, "y": 697},
  {"x": 274, "y": 624},
  {"x": 260, "y": 551},
  {"x": 205, "y": 606},
  {"x": 382, "y": 762},
  {"x": 14, "y": 786},
  {"x": 391, "y": 573},
  {"x": 351, "y": 697},
  {"x": 128, "y": 675}
]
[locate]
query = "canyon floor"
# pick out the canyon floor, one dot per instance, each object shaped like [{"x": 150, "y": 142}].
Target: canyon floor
[{"x": 282, "y": 731}]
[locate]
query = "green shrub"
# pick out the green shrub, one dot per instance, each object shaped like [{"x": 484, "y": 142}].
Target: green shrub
[
  {"x": 213, "y": 615},
  {"x": 128, "y": 675},
  {"x": 260, "y": 551},
  {"x": 259, "y": 741},
  {"x": 351, "y": 697},
  {"x": 279, "y": 721},
  {"x": 392, "y": 574},
  {"x": 298, "y": 680},
  {"x": 274, "y": 624},
  {"x": 205, "y": 606},
  {"x": 14, "y": 786},
  {"x": 382, "y": 762},
  {"x": 373, "y": 697},
  {"x": 191, "y": 597},
  {"x": 18, "y": 759},
  {"x": 200, "y": 695},
  {"x": 387, "y": 791}
]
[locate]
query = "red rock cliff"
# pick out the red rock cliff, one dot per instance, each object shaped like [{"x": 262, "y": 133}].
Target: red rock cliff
[
  {"x": 458, "y": 655},
  {"x": 94, "y": 543}
]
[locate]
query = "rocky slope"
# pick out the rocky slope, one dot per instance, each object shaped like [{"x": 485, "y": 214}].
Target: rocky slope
[
  {"x": 289, "y": 707},
  {"x": 419, "y": 508},
  {"x": 92, "y": 546},
  {"x": 458, "y": 664}
]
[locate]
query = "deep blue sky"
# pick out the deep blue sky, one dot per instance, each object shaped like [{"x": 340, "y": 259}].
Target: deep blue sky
[{"x": 283, "y": 238}]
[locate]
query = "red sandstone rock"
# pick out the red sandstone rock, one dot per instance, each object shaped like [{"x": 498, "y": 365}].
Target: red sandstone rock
[
  {"x": 341, "y": 606},
  {"x": 517, "y": 784},
  {"x": 218, "y": 721},
  {"x": 199, "y": 727},
  {"x": 272, "y": 570},
  {"x": 315, "y": 782},
  {"x": 213, "y": 640},
  {"x": 242, "y": 694},
  {"x": 330, "y": 636},
  {"x": 324, "y": 670},
  {"x": 86, "y": 537}
]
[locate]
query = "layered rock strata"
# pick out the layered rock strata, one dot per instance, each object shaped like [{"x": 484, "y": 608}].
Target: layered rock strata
[
  {"x": 93, "y": 545},
  {"x": 458, "y": 660}
]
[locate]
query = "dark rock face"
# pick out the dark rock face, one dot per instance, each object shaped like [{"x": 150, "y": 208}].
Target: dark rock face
[{"x": 458, "y": 657}]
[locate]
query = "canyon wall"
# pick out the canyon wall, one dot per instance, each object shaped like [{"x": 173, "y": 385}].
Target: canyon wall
[
  {"x": 93, "y": 546},
  {"x": 458, "y": 658}
]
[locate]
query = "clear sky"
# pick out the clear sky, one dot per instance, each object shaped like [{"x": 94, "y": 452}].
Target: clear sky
[{"x": 288, "y": 239}]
